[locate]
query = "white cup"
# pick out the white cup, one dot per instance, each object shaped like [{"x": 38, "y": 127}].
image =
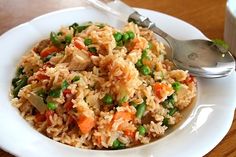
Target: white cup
[{"x": 230, "y": 26}]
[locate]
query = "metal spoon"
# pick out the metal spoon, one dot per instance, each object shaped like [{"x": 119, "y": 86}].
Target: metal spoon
[{"x": 200, "y": 57}]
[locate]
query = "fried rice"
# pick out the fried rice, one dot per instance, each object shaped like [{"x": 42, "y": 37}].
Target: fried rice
[{"x": 96, "y": 87}]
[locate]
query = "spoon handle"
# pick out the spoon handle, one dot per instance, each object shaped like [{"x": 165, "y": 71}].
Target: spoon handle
[{"x": 146, "y": 22}]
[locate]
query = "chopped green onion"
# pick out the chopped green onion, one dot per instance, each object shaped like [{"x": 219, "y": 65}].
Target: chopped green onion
[
  {"x": 59, "y": 33},
  {"x": 76, "y": 78},
  {"x": 120, "y": 43},
  {"x": 74, "y": 25},
  {"x": 51, "y": 106},
  {"x": 55, "y": 93},
  {"x": 139, "y": 63},
  {"x": 131, "y": 34},
  {"x": 176, "y": 86},
  {"x": 54, "y": 39},
  {"x": 87, "y": 41},
  {"x": 101, "y": 25},
  {"x": 20, "y": 84},
  {"x": 172, "y": 111},
  {"x": 145, "y": 70},
  {"x": 79, "y": 29},
  {"x": 118, "y": 145},
  {"x": 46, "y": 59},
  {"x": 165, "y": 122},
  {"x": 15, "y": 81},
  {"x": 123, "y": 100},
  {"x": 140, "y": 110},
  {"x": 92, "y": 50},
  {"x": 125, "y": 37},
  {"x": 117, "y": 36},
  {"x": 64, "y": 85},
  {"x": 133, "y": 104},
  {"x": 141, "y": 130},
  {"x": 20, "y": 71},
  {"x": 222, "y": 43},
  {"x": 42, "y": 93},
  {"x": 107, "y": 99},
  {"x": 169, "y": 102},
  {"x": 150, "y": 45}
]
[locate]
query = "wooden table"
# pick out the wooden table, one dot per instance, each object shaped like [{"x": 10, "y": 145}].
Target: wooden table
[{"x": 206, "y": 15}]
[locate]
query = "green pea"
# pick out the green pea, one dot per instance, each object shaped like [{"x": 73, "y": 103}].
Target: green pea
[
  {"x": 176, "y": 86},
  {"x": 139, "y": 63},
  {"x": 51, "y": 106},
  {"x": 68, "y": 39},
  {"x": 131, "y": 34},
  {"x": 64, "y": 85},
  {"x": 107, "y": 99},
  {"x": 92, "y": 50},
  {"x": 145, "y": 70},
  {"x": 87, "y": 41},
  {"x": 118, "y": 145},
  {"x": 145, "y": 55},
  {"x": 141, "y": 130},
  {"x": 125, "y": 37},
  {"x": 117, "y": 36},
  {"x": 76, "y": 78},
  {"x": 140, "y": 110}
]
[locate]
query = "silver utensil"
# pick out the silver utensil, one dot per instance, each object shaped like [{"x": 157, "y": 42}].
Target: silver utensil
[{"x": 200, "y": 57}]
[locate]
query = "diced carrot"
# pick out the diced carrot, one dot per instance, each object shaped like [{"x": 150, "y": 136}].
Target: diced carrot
[
  {"x": 68, "y": 105},
  {"x": 41, "y": 76},
  {"x": 47, "y": 51},
  {"x": 125, "y": 115},
  {"x": 66, "y": 91},
  {"x": 99, "y": 140},
  {"x": 40, "y": 117},
  {"x": 125, "y": 104},
  {"x": 189, "y": 79},
  {"x": 49, "y": 113},
  {"x": 78, "y": 42},
  {"x": 129, "y": 133},
  {"x": 85, "y": 124},
  {"x": 159, "y": 88}
]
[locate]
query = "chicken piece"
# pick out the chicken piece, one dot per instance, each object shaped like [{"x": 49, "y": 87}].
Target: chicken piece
[
  {"x": 42, "y": 45},
  {"x": 80, "y": 60}
]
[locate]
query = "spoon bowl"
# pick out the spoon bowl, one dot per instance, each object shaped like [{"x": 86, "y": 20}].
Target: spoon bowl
[{"x": 202, "y": 57}]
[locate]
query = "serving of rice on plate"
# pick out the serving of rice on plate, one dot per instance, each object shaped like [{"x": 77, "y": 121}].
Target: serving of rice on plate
[{"x": 96, "y": 87}]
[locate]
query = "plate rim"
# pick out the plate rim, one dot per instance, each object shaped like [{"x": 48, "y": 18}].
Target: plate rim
[{"x": 79, "y": 8}]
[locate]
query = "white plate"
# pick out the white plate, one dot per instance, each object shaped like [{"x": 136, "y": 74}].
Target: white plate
[{"x": 202, "y": 130}]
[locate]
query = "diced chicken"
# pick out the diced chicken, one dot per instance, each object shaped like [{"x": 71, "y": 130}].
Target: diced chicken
[
  {"x": 80, "y": 60},
  {"x": 42, "y": 45}
]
